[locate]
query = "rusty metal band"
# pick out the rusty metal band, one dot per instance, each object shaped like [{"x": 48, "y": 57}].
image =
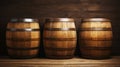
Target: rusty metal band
[
  {"x": 95, "y": 48},
  {"x": 60, "y": 22},
  {"x": 60, "y": 49},
  {"x": 89, "y": 56},
  {"x": 96, "y": 20},
  {"x": 61, "y": 39},
  {"x": 15, "y": 48},
  {"x": 85, "y": 39},
  {"x": 15, "y": 39},
  {"x": 95, "y": 29},
  {"x": 60, "y": 56},
  {"x": 27, "y": 29},
  {"x": 22, "y": 57},
  {"x": 60, "y": 29},
  {"x": 23, "y": 20}
]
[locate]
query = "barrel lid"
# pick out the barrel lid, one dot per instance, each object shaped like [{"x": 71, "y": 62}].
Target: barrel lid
[
  {"x": 23, "y": 20},
  {"x": 96, "y": 19},
  {"x": 60, "y": 19}
]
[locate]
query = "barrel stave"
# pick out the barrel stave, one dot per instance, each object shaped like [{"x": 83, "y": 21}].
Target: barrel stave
[
  {"x": 59, "y": 38},
  {"x": 95, "y": 38},
  {"x": 23, "y": 38}
]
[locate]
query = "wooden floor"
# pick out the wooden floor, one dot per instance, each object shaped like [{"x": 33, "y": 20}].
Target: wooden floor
[{"x": 75, "y": 62}]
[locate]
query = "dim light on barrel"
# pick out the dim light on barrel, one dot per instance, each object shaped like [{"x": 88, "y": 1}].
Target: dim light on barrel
[
  {"x": 59, "y": 38},
  {"x": 95, "y": 38},
  {"x": 23, "y": 38}
]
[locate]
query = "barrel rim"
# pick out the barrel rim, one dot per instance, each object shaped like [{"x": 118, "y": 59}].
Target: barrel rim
[
  {"x": 60, "y": 19},
  {"x": 23, "y": 20},
  {"x": 97, "y": 19}
]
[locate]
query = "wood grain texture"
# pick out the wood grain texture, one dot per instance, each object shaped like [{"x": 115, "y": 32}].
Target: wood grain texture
[
  {"x": 22, "y": 44},
  {"x": 61, "y": 8},
  {"x": 60, "y": 38},
  {"x": 95, "y": 38},
  {"x": 75, "y": 62}
]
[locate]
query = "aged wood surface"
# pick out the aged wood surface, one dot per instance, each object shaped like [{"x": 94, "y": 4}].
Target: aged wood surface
[
  {"x": 75, "y": 62},
  {"x": 60, "y": 8}
]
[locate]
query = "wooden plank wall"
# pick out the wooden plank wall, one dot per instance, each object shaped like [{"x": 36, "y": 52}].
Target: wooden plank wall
[{"x": 77, "y": 9}]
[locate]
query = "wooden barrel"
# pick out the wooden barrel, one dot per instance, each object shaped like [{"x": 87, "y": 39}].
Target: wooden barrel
[
  {"x": 59, "y": 38},
  {"x": 95, "y": 38},
  {"x": 22, "y": 38}
]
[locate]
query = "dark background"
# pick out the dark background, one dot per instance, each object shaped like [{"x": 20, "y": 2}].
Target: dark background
[{"x": 76, "y": 9}]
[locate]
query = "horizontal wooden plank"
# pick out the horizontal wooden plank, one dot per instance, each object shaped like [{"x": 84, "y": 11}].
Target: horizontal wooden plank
[
  {"x": 108, "y": 2},
  {"x": 100, "y": 8},
  {"x": 75, "y": 62},
  {"x": 36, "y": 2}
]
